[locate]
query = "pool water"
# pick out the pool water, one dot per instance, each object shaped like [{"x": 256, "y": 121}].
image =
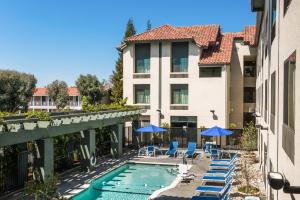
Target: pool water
[{"x": 130, "y": 181}]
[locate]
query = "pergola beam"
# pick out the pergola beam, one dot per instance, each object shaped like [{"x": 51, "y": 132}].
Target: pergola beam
[{"x": 64, "y": 125}]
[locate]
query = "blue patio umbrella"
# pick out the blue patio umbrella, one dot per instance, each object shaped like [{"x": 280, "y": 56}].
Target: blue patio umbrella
[
  {"x": 151, "y": 129},
  {"x": 216, "y": 131}
]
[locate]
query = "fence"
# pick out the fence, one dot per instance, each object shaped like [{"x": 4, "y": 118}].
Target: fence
[{"x": 183, "y": 136}]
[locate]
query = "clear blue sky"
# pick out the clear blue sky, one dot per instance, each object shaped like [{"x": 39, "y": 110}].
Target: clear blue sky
[{"x": 60, "y": 39}]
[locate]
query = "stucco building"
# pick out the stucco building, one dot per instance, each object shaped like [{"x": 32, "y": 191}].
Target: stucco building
[
  {"x": 193, "y": 76},
  {"x": 277, "y": 87},
  {"x": 41, "y": 101}
]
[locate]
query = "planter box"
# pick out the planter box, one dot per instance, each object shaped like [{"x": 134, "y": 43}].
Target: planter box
[{"x": 43, "y": 124}]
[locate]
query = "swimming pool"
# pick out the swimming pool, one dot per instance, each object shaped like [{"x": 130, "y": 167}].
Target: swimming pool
[{"x": 129, "y": 181}]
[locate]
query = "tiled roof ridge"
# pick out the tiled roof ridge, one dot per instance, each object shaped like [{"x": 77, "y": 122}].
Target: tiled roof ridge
[{"x": 202, "y": 25}]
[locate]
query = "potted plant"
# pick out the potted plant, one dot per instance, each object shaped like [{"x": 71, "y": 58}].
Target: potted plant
[{"x": 42, "y": 116}]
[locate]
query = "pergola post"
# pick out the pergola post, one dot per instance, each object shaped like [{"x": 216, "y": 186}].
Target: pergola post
[
  {"x": 87, "y": 148},
  {"x": 44, "y": 159},
  {"x": 116, "y": 136}
]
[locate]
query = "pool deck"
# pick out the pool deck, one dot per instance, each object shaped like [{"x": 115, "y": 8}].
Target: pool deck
[{"x": 75, "y": 182}]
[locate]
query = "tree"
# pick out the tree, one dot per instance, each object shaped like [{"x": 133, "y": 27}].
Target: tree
[
  {"x": 117, "y": 77},
  {"x": 16, "y": 90},
  {"x": 149, "y": 25},
  {"x": 249, "y": 137},
  {"x": 89, "y": 86},
  {"x": 58, "y": 92}
]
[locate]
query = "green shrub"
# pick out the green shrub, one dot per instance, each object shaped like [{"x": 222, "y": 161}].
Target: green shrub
[{"x": 40, "y": 115}]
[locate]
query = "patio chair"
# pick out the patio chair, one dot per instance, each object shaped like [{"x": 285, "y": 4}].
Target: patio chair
[
  {"x": 190, "y": 152},
  {"x": 142, "y": 151},
  {"x": 214, "y": 153},
  {"x": 172, "y": 149},
  {"x": 150, "y": 150},
  {"x": 207, "y": 147}
]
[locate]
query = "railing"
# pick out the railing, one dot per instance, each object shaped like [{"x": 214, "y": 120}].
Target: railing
[{"x": 183, "y": 136}]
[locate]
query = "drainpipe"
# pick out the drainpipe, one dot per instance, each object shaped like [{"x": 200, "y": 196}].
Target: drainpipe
[
  {"x": 159, "y": 84},
  {"x": 277, "y": 117}
]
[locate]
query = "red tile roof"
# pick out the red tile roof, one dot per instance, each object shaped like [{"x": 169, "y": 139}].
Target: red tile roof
[
  {"x": 72, "y": 91},
  {"x": 202, "y": 35},
  {"x": 220, "y": 53},
  {"x": 40, "y": 92},
  {"x": 249, "y": 35},
  {"x": 217, "y": 46}
]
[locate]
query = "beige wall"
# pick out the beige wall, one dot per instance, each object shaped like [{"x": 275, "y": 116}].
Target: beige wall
[
  {"x": 204, "y": 93},
  {"x": 287, "y": 41},
  {"x": 238, "y": 82}
]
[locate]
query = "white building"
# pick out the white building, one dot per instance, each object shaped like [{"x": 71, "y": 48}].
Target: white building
[
  {"x": 41, "y": 100},
  {"x": 191, "y": 76},
  {"x": 278, "y": 112}
]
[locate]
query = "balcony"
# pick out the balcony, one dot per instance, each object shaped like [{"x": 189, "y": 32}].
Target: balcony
[{"x": 257, "y": 5}]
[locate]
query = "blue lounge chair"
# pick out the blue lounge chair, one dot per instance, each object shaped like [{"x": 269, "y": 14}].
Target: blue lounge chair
[
  {"x": 220, "y": 172},
  {"x": 221, "y": 166},
  {"x": 204, "y": 197},
  {"x": 225, "y": 161},
  {"x": 225, "y": 178},
  {"x": 191, "y": 149},
  {"x": 172, "y": 149},
  {"x": 219, "y": 191}
]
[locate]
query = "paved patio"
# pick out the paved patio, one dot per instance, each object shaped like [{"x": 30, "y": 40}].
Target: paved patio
[{"x": 75, "y": 182}]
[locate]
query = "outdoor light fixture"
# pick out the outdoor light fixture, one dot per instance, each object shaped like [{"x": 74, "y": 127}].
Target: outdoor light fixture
[
  {"x": 261, "y": 127},
  {"x": 277, "y": 181},
  {"x": 212, "y": 111},
  {"x": 255, "y": 114}
]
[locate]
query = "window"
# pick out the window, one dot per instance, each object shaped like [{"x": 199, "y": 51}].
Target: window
[
  {"x": 142, "y": 94},
  {"x": 179, "y": 94},
  {"x": 289, "y": 91},
  {"x": 180, "y": 121},
  {"x": 142, "y": 58},
  {"x": 286, "y": 4},
  {"x": 249, "y": 68},
  {"x": 266, "y": 100},
  {"x": 44, "y": 102},
  {"x": 273, "y": 99},
  {"x": 180, "y": 51},
  {"x": 210, "y": 71},
  {"x": 273, "y": 20},
  {"x": 249, "y": 95}
]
